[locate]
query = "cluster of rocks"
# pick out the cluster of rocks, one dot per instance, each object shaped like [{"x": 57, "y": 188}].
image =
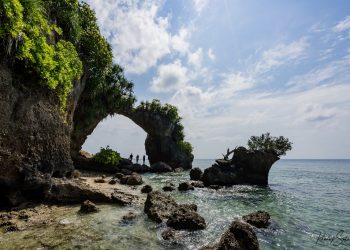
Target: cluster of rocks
[{"x": 161, "y": 207}]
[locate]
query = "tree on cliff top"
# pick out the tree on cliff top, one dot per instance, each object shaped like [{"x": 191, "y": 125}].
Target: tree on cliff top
[{"x": 278, "y": 145}]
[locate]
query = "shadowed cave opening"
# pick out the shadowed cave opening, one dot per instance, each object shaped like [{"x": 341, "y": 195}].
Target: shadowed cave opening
[{"x": 121, "y": 134}]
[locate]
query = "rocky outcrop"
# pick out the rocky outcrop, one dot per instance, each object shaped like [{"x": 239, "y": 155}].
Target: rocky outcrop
[
  {"x": 88, "y": 207},
  {"x": 259, "y": 219},
  {"x": 34, "y": 138},
  {"x": 132, "y": 180},
  {"x": 240, "y": 236},
  {"x": 245, "y": 167},
  {"x": 160, "y": 207},
  {"x": 196, "y": 174},
  {"x": 146, "y": 189},
  {"x": 186, "y": 218},
  {"x": 185, "y": 186},
  {"x": 160, "y": 167}
]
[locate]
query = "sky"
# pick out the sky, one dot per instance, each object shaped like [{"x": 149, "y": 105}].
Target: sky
[{"x": 234, "y": 69}]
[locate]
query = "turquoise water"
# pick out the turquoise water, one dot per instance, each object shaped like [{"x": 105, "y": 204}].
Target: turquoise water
[{"x": 305, "y": 198}]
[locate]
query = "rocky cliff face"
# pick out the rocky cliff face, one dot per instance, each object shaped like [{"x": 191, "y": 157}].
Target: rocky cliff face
[
  {"x": 34, "y": 138},
  {"x": 245, "y": 167}
]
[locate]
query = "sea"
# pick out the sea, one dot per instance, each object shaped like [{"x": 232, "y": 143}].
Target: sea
[{"x": 308, "y": 200}]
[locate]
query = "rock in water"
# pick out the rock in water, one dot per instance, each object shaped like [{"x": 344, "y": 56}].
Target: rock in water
[
  {"x": 169, "y": 187},
  {"x": 146, "y": 189},
  {"x": 246, "y": 167},
  {"x": 168, "y": 234},
  {"x": 184, "y": 217},
  {"x": 112, "y": 182},
  {"x": 259, "y": 219},
  {"x": 240, "y": 236},
  {"x": 132, "y": 180},
  {"x": 100, "y": 180},
  {"x": 158, "y": 206},
  {"x": 197, "y": 184},
  {"x": 88, "y": 207},
  {"x": 160, "y": 167},
  {"x": 185, "y": 186},
  {"x": 130, "y": 216},
  {"x": 196, "y": 174}
]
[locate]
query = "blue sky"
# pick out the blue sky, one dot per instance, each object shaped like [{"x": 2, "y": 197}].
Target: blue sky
[{"x": 234, "y": 69}]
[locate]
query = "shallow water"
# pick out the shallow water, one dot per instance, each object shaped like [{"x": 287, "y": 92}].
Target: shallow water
[{"x": 305, "y": 198}]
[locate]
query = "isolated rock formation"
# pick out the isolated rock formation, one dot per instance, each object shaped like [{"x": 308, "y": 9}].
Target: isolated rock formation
[
  {"x": 196, "y": 174},
  {"x": 259, "y": 219},
  {"x": 245, "y": 167},
  {"x": 239, "y": 236}
]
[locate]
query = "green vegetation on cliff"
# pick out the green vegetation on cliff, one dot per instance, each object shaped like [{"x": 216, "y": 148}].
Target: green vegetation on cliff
[
  {"x": 169, "y": 111},
  {"x": 266, "y": 142},
  {"x": 28, "y": 35}
]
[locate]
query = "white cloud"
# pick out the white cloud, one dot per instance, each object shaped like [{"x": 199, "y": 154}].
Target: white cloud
[
  {"x": 196, "y": 58},
  {"x": 211, "y": 54},
  {"x": 180, "y": 41},
  {"x": 281, "y": 54},
  {"x": 342, "y": 25},
  {"x": 199, "y": 5},
  {"x": 170, "y": 77}
]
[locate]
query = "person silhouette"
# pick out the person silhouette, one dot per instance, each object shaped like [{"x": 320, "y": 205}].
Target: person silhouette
[
  {"x": 137, "y": 158},
  {"x": 130, "y": 157},
  {"x": 144, "y": 159}
]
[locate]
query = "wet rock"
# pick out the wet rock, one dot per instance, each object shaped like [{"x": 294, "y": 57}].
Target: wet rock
[
  {"x": 112, "y": 182},
  {"x": 160, "y": 167},
  {"x": 259, "y": 219},
  {"x": 118, "y": 175},
  {"x": 197, "y": 184},
  {"x": 74, "y": 191},
  {"x": 169, "y": 187},
  {"x": 184, "y": 217},
  {"x": 130, "y": 216},
  {"x": 240, "y": 236},
  {"x": 99, "y": 180},
  {"x": 88, "y": 207},
  {"x": 146, "y": 189},
  {"x": 245, "y": 167},
  {"x": 123, "y": 198},
  {"x": 185, "y": 186},
  {"x": 169, "y": 234},
  {"x": 132, "y": 180},
  {"x": 216, "y": 187},
  {"x": 196, "y": 174},
  {"x": 158, "y": 206}
]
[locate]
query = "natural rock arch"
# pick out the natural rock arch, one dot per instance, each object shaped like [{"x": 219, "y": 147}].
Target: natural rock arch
[{"x": 161, "y": 143}]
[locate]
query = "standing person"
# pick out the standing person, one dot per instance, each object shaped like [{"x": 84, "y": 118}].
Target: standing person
[
  {"x": 144, "y": 159},
  {"x": 130, "y": 157},
  {"x": 137, "y": 158}
]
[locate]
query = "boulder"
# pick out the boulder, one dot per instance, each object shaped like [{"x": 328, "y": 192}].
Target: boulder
[
  {"x": 160, "y": 167},
  {"x": 185, "y": 186},
  {"x": 112, "y": 182},
  {"x": 100, "y": 180},
  {"x": 74, "y": 191},
  {"x": 146, "y": 189},
  {"x": 169, "y": 234},
  {"x": 197, "y": 184},
  {"x": 259, "y": 219},
  {"x": 169, "y": 187},
  {"x": 196, "y": 174},
  {"x": 240, "y": 236},
  {"x": 132, "y": 180},
  {"x": 88, "y": 207},
  {"x": 130, "y": 216},
  {"x": 158, "y": 206},
  {"x": 184, "y": 217}
]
